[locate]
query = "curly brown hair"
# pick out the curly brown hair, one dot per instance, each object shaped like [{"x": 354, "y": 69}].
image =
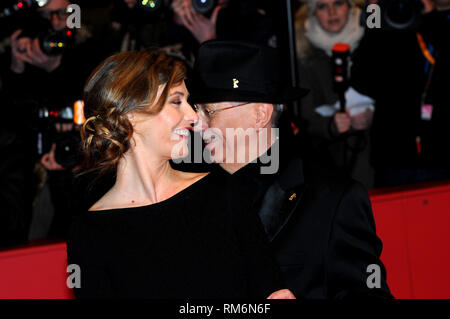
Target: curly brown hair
[{"x": 123, "y": 83}]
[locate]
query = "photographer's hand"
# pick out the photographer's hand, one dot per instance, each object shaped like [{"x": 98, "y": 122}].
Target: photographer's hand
[
  {"x": 49, "y": 162},
  {"x": 40, "y": 59},
  {"x": 202, "y": 28},
  {"x": 282, "y": 294},
  {"x": 182, "y": 9},
  {"x": 428, "y": 6},
  {"x": 18, "y": 52},
  {"x": 362, "y": 121},
  {"x": 342, "y": 121}
]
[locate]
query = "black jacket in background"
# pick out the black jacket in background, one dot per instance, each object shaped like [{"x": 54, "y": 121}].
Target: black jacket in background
[
  {"x": 435, "y": 30},
  {"x": 321, "y": 229},
  {"x": 14, "y": 190},
  {"x": 390, "y": 67}
]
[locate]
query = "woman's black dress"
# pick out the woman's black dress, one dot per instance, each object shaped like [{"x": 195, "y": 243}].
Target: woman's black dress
[{"x": 204, "y": 242}]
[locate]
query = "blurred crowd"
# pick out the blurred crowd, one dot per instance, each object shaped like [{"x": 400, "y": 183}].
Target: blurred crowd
[{"x": 391, "y": 130}]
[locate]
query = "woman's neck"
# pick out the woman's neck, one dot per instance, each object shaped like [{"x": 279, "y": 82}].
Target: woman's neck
[{"x": 143, "y": 178}]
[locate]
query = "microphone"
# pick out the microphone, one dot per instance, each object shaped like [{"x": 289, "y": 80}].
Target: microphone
[{"x": 340, "y": 56}]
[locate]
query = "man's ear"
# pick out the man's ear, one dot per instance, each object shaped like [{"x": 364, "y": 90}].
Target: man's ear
[{"x": 264, "y": 113}]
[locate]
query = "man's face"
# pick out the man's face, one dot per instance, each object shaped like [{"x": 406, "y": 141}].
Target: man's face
[
  {"x": 238, "y": 118},
  {"x": 55, "y": 12}
]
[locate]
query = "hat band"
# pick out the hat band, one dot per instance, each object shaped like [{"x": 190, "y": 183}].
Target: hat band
[{"x": 239, "y": 83}]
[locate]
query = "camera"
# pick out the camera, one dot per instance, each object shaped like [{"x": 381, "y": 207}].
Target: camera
[
  {"x": 51, "y": 42},
  {"x": 67, "y": 151},
  {"x": 24, "y": 14},
  {"x": 397, "y": 14},
  {"x": 204, "y": 6}
]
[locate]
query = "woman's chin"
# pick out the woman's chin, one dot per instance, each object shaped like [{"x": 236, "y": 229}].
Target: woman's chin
[
  {"x": 334, "y": 27},
  {"x": 180, "y": 147}
]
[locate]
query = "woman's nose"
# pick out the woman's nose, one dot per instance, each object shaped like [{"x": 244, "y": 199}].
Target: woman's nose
[
  {"x": 331, "y": 10},
  {"x": 190, "y": 115},
  {"x": 202, "y": 116}
]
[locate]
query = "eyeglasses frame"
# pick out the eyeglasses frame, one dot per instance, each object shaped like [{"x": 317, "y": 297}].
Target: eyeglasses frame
[{"x": 211, "y": 112}]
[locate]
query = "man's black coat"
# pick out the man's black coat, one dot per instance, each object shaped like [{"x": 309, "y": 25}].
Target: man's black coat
[{"x": 321, "y": 229}]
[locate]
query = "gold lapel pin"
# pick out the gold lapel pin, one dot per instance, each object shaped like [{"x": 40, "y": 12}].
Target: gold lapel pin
[
  {"x": 235, "y": 83},
  {"x": 293, "y": 196}
]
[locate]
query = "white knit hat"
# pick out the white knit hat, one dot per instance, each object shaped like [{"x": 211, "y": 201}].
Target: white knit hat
[{"x": 312, "y": 5}]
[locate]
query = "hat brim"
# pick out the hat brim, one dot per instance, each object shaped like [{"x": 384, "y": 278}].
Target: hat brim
[{"x": 209, "y": 95}]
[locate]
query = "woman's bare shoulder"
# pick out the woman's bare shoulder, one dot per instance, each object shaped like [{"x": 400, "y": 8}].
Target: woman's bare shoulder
[
  {"x": 113, "y": 200},
  {"x": 107, "y": 201},
  {"x": 192, "y": 177}
]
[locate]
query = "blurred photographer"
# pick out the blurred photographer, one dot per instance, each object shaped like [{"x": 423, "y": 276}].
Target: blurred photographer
[
  {"x": 27, "y": 50},
  {"x": 140, "y": 25},
  {"x": 133, "y": 28},
  {"x": 43, "y": 73},
  {"x": 44, "y": 69},
  {"x": 238, "y": 20},
  {"x": 202, "y": 27}
]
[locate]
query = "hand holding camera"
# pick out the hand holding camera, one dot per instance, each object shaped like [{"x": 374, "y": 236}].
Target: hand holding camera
[
  {"x": 342, "y": 121},
  {"x": 18, "y": 52},
  {"x": 27, "y": 50},
  {"x": 191, "y": 15}
]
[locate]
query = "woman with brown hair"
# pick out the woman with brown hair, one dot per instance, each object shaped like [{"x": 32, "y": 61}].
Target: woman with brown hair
[{"x": 159, "y": 232}]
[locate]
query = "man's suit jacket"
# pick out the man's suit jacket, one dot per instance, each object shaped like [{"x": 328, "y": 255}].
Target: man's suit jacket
[{"x": 321, "y": 229}]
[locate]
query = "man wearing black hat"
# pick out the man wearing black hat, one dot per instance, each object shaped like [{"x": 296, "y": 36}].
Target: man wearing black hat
[{"x": 321, "y": 229}]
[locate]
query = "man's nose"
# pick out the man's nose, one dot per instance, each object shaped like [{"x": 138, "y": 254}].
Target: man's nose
[
  {"x": 55, "y": 21},
  {"x": 54, "y": 17},
  {"x": 200, "y": 126}
]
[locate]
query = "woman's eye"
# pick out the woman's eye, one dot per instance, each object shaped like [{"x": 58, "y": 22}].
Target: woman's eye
[
  {"x": 339, "y": 3},
  {"x": 321, "y": 6},
  {"x": 176, "y": 103}
]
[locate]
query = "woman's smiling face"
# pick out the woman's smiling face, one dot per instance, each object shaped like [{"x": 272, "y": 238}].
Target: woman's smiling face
[{"x": 167, "y": 131}]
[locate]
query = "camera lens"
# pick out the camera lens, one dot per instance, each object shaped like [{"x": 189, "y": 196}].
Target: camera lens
[
  {"x": 53, "y": 43},
  {"x": 67, "y": 152},
  {"x": 203, "y": 6},
  {"x": 400, "y": 13}
]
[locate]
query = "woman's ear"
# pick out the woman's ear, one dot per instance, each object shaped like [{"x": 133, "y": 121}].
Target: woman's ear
[
  {"x": 264, "y": 113},
  {"x": 131, "y": 118}
]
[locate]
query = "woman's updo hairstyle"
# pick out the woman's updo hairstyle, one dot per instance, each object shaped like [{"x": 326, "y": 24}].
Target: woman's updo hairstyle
[{"x": 124, "y": 83}]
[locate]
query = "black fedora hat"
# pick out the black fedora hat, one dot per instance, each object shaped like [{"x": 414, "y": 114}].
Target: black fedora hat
[{"x": 241, "y": 72}]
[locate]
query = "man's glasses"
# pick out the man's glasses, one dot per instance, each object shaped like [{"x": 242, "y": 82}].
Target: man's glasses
[
  {"x": 48, "y": 14},
  {"x": 211, "y": 109}
]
